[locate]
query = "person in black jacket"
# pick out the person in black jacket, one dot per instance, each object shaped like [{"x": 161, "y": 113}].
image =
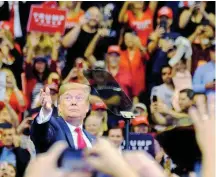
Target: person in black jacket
[{"x": 11, "y": 153}]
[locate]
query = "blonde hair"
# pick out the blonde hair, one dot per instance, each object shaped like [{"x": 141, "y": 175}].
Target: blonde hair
[
  {"x": 9, "y": 72},
  {"x": 104, "y": 126},
  {"x": 51, "y": 76}
]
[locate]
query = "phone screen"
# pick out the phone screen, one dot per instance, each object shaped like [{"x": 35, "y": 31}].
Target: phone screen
[{"x": 72, "y": 160}]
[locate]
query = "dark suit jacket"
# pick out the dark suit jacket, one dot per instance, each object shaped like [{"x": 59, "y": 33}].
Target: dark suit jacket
[
  {"x": 56, "y": 129},
  {"x": 22, "y": 160}
]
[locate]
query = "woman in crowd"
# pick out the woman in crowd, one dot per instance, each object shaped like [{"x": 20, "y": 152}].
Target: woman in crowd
[
  {"x": 37, "y": 69},
  {"x": 99, "y": 109},
  {"x": 133, "y": 60},
  {"x": 74, "y": 12},
  {"x": 138, "y": 19},
  {"x": 13, "y": 95},
  {"x": 196, "y": 15}
]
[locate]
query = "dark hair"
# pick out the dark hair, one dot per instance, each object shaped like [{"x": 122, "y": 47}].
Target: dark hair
[
  {"x": 165, "y": 66},
  {"x": 190, "y": 93},
  {"x": 114, "y": 128},
  {"x": 126, "y": 30},
  {"x": 45, "y": 73}
]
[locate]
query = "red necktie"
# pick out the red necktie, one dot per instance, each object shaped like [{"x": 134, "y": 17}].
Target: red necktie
[{"x": 80, "y": 140}]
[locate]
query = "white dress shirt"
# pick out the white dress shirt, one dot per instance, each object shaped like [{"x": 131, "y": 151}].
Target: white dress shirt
[
  {"x": 17, "y": 25},
  {"x": 43, "y": 119}
]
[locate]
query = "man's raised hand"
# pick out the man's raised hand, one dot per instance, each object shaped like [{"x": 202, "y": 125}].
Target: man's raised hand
[{"x": 46, "y": 101}]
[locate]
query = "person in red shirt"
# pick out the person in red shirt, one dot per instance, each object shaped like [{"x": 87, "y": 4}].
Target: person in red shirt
[
  {"x": 137, "y": 19},
  {"x": 13, "y": 96},
  {"x": 133, "y": 61},
  {"x": 113, "y": 66}
]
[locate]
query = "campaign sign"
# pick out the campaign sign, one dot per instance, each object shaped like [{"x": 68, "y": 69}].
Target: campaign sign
[
  {"x": 141, "y": 142},
  {"x": 46, "y": 19}
]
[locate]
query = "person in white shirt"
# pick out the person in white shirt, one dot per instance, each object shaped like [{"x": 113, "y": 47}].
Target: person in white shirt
[{"x": 73, "y": 105}]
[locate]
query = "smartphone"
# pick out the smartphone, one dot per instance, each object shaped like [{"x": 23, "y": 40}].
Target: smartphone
[
  {"x": 163, "y": 23},
  {"x": 72, "y": 160},
  {"x": 154, "y": 99},
  {"x": 112, "y": 33}
]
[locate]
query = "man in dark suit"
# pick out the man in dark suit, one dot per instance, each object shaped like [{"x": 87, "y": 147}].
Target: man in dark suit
[
  {"x": 19, "y": 16},
  {"x": 73, "y": 105},
  {"x": 10, "y": 151}
]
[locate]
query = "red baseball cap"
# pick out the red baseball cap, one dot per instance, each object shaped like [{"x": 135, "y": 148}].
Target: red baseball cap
[
  {"x": 99, "y": 105},
  {"x": 114, "y": 49},
  {"x": 140, "y": 120},
  {"x": 165, "y": 11}
]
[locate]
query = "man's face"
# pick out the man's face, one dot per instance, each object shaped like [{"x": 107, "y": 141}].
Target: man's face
[
  {"x": 167, "y": 75},
  {"x": 99, "y": 77},
  {"x": 93, "y": 125},
  {"x": 74, "y": 104},
  {"x": 116, "y": 137},
  {"x": 141, "y": 128},
  {"x": 184, "y": 101},
  {"x": 140, "y": 112},
  {"x": 93, "y": 16},
  {"x": 113, "y": 59},
  {"x": 7, "y": 136}
]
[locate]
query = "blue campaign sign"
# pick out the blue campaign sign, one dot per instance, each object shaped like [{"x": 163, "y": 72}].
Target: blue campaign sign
[{"x": 141, "y": 142}]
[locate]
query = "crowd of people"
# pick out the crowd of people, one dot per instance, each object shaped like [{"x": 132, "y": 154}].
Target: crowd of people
[{"x": 161, "y": 54}]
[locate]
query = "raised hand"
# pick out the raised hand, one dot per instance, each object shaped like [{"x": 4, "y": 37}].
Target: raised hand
[
  {"x": 34, "y": 39},
  {"x": 46, "y": 101}
]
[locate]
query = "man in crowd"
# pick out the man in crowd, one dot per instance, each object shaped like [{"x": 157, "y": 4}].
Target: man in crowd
[
  {"x": 115, "y": 135},
  {"x": 11, "y": 152},
  {"x": 204, "y": 77},
  {"x": 81, "y": 35},
  {"x": 165, "y": 91},
  {"x": 160, "y": 42},
  {"x": 73, "y": 106},
  {"x": 162, "y": 97}
]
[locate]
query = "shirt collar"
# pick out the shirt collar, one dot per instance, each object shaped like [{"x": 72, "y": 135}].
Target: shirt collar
[{"x": 72, "y": 128}]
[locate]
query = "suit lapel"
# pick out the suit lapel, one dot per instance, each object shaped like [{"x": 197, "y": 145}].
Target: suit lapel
[
  {"x": 89, "y": 136},
  {"x": 67, "y": 132}
]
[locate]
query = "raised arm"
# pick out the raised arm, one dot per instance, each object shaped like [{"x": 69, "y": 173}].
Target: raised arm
[
  {"x": 185, "y": 17},
  {"x": 154, "y": 39},
  {"x": 92, "y": 45},
  {"x": 123, "y": 17},
  {"x": 55, "y": 46},
  {"x": 71, "y": 37},
  {"x": 12, "y": 113},
  {"x": 153, "y": 6}
]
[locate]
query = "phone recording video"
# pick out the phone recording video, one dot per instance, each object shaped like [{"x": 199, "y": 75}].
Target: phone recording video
[
  {"x": 72, "y": 160},
  {"x": 163, "y": 23},
  {"x": 154, "y": 99}
]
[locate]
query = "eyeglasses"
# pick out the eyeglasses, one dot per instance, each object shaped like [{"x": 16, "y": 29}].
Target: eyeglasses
[{"x": 77, "y": 98}]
